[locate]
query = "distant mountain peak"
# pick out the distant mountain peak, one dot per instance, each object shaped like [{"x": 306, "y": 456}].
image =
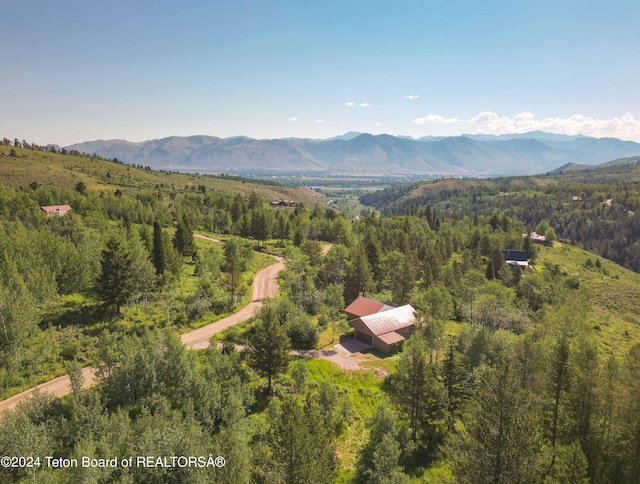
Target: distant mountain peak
[
  {"x": 365, "y": 153},
  {"x": 349, "y": 135}
]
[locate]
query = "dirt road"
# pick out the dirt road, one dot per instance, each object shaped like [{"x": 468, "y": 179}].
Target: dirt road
[
  {"x": 58, "y": 387},
  {"x": 265, "y": 285},
  {"x": 204, "y": 237}
]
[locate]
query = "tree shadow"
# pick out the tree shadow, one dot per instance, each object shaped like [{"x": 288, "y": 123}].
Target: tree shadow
[{"x": 85, "y": 315}]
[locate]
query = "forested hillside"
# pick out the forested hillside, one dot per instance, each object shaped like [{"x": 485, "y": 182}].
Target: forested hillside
[
  {"x": 124, "y": 258},
  {"x": 511, "y": 376},
  {"x": 597, "y": 209}
]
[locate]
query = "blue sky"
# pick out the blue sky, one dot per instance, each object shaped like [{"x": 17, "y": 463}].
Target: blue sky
[{"x": 82, "y": 70}]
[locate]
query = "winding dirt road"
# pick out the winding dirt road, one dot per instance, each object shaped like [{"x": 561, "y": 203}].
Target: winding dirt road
[{"x": 265, "y": 285}]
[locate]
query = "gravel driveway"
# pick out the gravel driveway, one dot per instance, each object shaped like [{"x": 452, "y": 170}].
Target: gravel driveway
[{"x": 346, "y": 355}]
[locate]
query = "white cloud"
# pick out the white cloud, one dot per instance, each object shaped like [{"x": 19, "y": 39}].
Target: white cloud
[
  {"x": 377, "y": 125},
  {"x": 625, "y": 127},
  {"x": 488, "y": 122},
  {"x": 412, "y": 97},
  {"x": 292, "y": 119},
  {"x": 351, "y": 104},
  {"x": 435, "y": 118},
  {"x": 319, "y": 121}
]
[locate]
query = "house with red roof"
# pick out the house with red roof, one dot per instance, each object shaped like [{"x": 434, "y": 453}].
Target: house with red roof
[
  {"x": 363, "y": 306},
  {"x": 380, "y": 325}
]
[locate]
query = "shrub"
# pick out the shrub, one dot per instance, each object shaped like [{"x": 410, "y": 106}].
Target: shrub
[{"x": 303, "y": 334}]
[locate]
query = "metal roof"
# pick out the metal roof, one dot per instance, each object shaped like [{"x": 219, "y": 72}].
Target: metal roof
[
  {"x": 390, "y": 338},
  {"x": 518, "y": 255},
  {"x": 363, "y": 306},
  {"x": 390, "y": 320},
  {"x": 56, "y": 208}
]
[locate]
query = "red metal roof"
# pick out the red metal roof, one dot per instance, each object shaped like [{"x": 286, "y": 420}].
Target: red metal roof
[
  {"x": 363, "y": 306},
  {"x": 390, "y": 338}
]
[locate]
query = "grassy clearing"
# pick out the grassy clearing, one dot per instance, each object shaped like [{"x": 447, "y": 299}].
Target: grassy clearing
[
  {"x": 614, "y": 293},
  {"x": 365, "y": 391}
]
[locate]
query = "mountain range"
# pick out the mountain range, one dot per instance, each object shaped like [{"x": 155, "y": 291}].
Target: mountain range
[{"x": 362, "y": 153}]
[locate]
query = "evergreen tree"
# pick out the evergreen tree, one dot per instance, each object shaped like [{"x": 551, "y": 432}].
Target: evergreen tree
[
  {"x": 420, "y": 396},
  {"x": 301, "y": 448},
  {"x": 500, "y": 439},
  {"x": 260, "y": 225},
  {"x": 570, "y": 466},
  {"x": 359, "y": 277},
  {"x": 116, "y": 280},
  {"x": 233, "y": 445},
  {"x": 490, "y": 272},
  {"x": 159, "y": 257},
  {"x": 411, "y": 382},
  {"x": 183, "y": 238},
  {"x": 235, "y": 257},
  {"x": 583, "y": 400},
  {"x": 173, "y": 258},
  {"x": 609, "y": 392},
  {"x": 269, "y": 346},
  {"x": 559, "y": 383},
  {"x": 453, "y": 380},
  {"x": 324, "y": 461},
  {"x": 373, "y": 252}
]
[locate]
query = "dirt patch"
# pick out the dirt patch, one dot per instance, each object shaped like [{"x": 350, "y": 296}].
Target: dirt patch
[{"x": 346, "y": 355}]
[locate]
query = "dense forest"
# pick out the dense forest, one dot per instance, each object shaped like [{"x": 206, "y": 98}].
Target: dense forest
[{"x": 511, "y": 376}]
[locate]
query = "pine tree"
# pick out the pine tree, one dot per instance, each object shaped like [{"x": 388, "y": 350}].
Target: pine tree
[
  {"x": 183, "y": 238},
  {"x": 499, "y": 443},
  {"x": 559, "y": 383},
  {"x": 302, "y": 449},
  {"x": 570, "y": 466},
  {"x": 235, "y": 260},
  {"x": 116, "y": 278},
  {"x": 260, "y": 225},
  {"x": 412, "y": 381},
  {"x": 420, "y": 396},
  {"x": 359, "y": 277},
  {"x": 452, "y": 379},
  {"x": 490, "y": 273},
  {"x": 323, "y": 460},
  {"x": 159, "y": 257},
  {"x": 269, "y": 345}
]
